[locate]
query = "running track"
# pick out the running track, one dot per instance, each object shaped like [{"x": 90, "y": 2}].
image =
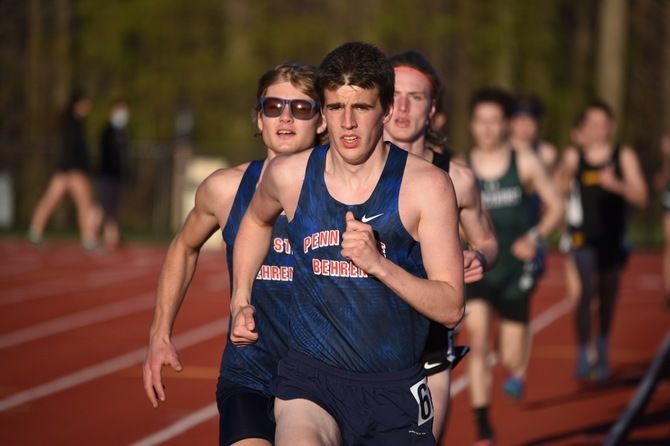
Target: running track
[{"x": 73, "y": 328}]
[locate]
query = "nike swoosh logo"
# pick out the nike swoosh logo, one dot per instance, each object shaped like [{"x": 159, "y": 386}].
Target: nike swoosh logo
[
  {"x": 431, "y": 365},
  {"x": 367, "y": 219}
]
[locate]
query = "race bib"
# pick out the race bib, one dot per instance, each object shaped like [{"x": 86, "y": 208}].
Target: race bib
[{"x": 421, "y": 394}]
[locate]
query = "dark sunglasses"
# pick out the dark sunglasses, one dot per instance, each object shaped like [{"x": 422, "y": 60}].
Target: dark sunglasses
[{"x": 300, "y": 108}]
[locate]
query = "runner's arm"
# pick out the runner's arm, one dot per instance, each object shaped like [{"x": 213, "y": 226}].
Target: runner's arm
[
  {"x": 566, "y": 170},
  {"x": 251, "y": 247},
  {"x": 440, "y": 297},
  {"x": 634, "y": 187},
  {"x": 475, "y": 222},
  {"x": 553, "y": 205},
  {"x": 174, "y": 279}
]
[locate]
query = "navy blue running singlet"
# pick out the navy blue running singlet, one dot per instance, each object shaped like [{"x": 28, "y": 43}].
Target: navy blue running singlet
[
  {"x": 254, "y": 366},
  {"x": 339, "y": 314}
]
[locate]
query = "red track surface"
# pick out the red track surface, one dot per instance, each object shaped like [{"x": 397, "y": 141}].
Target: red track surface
[{"x": 73, "y": 326}]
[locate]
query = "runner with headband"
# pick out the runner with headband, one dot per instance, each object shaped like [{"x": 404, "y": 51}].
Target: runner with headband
[{"x": 417, "y": 86}]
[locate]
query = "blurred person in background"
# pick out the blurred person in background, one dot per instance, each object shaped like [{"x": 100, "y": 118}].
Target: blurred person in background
[
  {"x": 507, "y": 179},
  {"x": 525, "y": 126},
  {"x": 573, "y": 217},
  {"x": 72, "y": 177},
  {"x": 524, "y": 134},
  {"x": 609, "y": 180},
  {"x": 662, "y": 181},
  {"x": 114, "y": 169},
  {"x": 437, "y": 127},
  {"x": 417, "y": 86},
  {"x": 288, "y": 120}
]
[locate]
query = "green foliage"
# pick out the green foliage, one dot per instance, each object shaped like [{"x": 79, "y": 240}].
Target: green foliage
[{"x": 210, "y": 53}]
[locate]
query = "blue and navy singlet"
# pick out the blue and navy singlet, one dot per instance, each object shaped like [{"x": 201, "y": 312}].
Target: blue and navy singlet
[
  {"x": 339, "y": 314},
  {"x": 255, "y": 365}
]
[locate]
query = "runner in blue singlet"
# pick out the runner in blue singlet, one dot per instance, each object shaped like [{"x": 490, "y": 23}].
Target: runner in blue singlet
[
  {"x": 375, "y": 236},
  {"x": 288, "y": 119}
]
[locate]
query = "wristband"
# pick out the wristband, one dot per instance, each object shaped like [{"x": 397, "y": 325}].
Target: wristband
[
  {"x": 534, "y": 234},
  {"x": 482, "y": 259}
]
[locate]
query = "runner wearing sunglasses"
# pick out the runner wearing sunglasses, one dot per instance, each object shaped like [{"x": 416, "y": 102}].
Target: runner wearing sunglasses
[
  {"x": 243, "y": 394},
  {"x": 303, "y": 109},
  {"x": 375, "y": 237},
  {"x": 417, "y": 86}
]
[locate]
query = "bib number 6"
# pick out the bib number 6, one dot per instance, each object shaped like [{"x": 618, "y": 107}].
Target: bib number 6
[{"x": 421, "y": 394}]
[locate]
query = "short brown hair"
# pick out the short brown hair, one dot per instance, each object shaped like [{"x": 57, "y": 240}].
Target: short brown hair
[{"x": 359, "y": 64}]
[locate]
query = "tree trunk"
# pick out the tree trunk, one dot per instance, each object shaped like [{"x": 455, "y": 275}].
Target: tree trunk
[
  {"x": 583, "y": 48},
  {"x": 62, "y": 55},
  {"x": 611, "y": 52},
  {"x": 34, "y": 162},
  {"x": 506, "y": 60},
  {"x": 665, "y": 104},
  {"x": 34, "y": 120},
  {"x": 461, "y": 84}
]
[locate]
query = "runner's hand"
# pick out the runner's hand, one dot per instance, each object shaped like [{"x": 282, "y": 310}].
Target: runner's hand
[
  {"x": 609, "y": 181},
  {"x": 243, "y": 329},
  {"x": 473, "y": 270},
  {"x": 359, "y": 245},
  {"x": 524, "y": 248},
  {"x": 160, "y": 353}
]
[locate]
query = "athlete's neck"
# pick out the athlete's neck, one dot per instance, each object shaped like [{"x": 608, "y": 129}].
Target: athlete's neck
[
  {"x": 490, "y": 148},
  {"x": 600, "y": 146},
  {"x": 351, "y": 183},
  {"x": 416, "y": 147},
  {"x": 340, "y": 166},
  {"x": 518, "y": 143},
  {"x": 270, "y": 154}
]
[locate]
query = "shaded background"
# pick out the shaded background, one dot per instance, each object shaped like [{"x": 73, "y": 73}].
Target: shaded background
[{"x": 200, "y": 59}]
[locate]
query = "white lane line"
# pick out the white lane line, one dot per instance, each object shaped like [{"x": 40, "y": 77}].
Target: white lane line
[
  {"x": 208, "y": 412},
  {"x": 650, "y": 282},
  {"x": 179, "y": 427},
  {"x": 550, "y": 315},
  {"x": 192, "y": 337},
  {"x": 59, "y": 287},
  {"x": 78, "y": 320},
  {"x": 36, "y": 290},
  {"x": 542, "y": 321}
]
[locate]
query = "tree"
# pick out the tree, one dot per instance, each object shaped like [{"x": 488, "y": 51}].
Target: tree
[
  {"x": 613, "y": 33},
  {"x": 665, "y": 70}
]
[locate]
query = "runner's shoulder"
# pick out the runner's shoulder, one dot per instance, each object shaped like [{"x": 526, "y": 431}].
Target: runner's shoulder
[
  {"x": 222, "y": 182},
  {"x": 426, "y": 179},
  {"x": 288, "y": 167}
]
